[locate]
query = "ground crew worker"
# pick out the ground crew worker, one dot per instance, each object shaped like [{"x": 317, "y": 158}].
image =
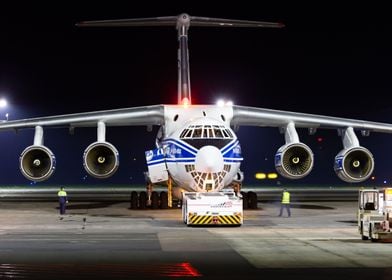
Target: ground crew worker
[
  {"x": 285, "y": 203},
  {"x": 63, "y": 200}
]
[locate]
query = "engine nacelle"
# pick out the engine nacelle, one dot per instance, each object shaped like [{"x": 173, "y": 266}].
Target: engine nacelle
[
  {"x": 354, "y": 165},
  {"x": 37, "y": 163},
  {"x": 294, "y": 160},
  {"x": 101, "y": 159}
]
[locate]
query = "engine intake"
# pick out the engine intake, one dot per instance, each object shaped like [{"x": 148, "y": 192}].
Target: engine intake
[
  {"x": 354, "y": 165},
  {"x": 37, "y": 163},
  {"x": 101, "y": 159},
  {"x": 294, "y": 161}
]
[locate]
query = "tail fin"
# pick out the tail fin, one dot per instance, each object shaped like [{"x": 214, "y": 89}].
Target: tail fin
[{"x": 182, "y": 23}]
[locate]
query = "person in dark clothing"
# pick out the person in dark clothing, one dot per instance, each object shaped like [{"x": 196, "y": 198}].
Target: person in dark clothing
[{"x": 63, "y": 200}]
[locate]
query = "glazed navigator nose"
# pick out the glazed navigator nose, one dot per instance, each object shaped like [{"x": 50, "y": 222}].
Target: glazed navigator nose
[{"x": 209, "y": 159}]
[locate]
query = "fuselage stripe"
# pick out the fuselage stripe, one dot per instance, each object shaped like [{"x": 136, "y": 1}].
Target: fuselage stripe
[
  {"x": 229, "y": 146},
  {"x": 182, "y": 145}
]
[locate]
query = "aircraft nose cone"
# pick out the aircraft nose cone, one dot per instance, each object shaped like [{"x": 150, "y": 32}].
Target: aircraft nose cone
[{"x": 209, "y": 159}]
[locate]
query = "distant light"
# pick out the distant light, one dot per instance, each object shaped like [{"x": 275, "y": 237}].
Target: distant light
[
  {"x": 272, "y": 175},
  {"x": 3, "y": 103},
  {"x": 229, "y": 103},
  {"x": 320, "y": 139},
  {"x": 385, "y": 181},
  {"x": 220, "y": 103},
  {"x": 260, "y": 176},
  {"x": 373, "y": 178}
]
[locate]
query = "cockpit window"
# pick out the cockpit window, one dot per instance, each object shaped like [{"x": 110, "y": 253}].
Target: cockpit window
[
  {"x": 210, "y": 133},
  {"x": 198, "y": 132},
  {"x": 183, "y": 133},
  {"x": 206, "y": 131},
  {"x": 218, "y": 132},
  {"x": 188, "y": 133},
  {"x": 203, "y": 135}
]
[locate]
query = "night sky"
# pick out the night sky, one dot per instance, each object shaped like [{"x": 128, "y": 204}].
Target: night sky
[{"x": 329, "y": 60}]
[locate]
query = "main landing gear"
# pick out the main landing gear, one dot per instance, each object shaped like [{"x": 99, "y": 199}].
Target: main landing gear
[
  {"x": 152, "y": 199},
  {"x": 142, "y": 200}
]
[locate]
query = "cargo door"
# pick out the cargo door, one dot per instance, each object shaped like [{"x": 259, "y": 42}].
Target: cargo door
[{"x": 157, "y": 169}]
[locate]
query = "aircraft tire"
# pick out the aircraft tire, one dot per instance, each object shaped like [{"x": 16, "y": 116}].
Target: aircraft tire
[
  {"x": 371, "y": 233},
  {"x": 154, "y": 200},
  {"x": 134, "y": 200},
  {"x": 252, "y": 200},
  {"x": 363, "y": 236},
  {"x": 245, "y": 202},
  {"x": 142, "y": 200},
  {"x": 163, "y": 200}
]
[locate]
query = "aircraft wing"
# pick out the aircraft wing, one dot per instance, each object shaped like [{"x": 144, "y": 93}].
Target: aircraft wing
[
  {"x": 252, "y": 116},
  {"x": 146, "y": 115}
]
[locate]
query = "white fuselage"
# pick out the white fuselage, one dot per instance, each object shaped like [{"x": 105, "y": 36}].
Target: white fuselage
[{"x": 201, "y": 151}]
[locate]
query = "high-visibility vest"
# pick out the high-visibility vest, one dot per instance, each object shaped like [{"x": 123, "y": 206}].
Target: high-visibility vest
[
  {"x": 62, "y": 193},
  {"x": 286, "y": 198}
]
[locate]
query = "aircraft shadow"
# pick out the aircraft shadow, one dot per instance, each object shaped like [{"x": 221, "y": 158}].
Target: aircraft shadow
[{"x": 93, "y": 205}]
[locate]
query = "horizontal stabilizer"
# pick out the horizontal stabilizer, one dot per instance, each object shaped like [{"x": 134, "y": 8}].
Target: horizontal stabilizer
[
  {"x": 221, "y": 22},
  {"x": 173, "y": 20},
  {"x": 156, "y": 21}
]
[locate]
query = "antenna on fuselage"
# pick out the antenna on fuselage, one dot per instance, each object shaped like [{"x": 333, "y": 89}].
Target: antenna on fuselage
[{"x": 182, "y": 22}]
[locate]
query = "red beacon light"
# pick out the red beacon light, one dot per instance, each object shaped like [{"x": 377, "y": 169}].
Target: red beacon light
[{"x": 185, "y": 102}]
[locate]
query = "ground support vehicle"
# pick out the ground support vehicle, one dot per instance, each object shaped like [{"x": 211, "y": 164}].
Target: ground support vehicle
[
  {"x": 212, "y": 208},
  {"x": 375, "y": 214}
]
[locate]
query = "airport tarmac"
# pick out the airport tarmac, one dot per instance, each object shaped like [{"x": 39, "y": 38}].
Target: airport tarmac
[{"x": 106, "y": 240}]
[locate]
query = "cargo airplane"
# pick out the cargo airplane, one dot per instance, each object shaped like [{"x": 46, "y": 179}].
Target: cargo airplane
[{"x": 196, "y": 146}]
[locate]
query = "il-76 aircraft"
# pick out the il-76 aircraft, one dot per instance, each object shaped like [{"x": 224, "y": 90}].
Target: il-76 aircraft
[{"x": 196, "y": 147}]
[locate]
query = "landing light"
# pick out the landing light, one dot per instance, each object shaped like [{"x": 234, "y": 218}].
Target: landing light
[
  {"x": 223, "y": 103},
  {"x": 220, "y": 103},
  {"x": 3, "y": 103}
]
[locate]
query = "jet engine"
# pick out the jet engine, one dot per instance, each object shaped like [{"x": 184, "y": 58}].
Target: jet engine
[
  {"x": 37, "y": 163},
  {"x": 294, "y": 161},
  {"x": 354, "y": 165},
  {"x": 101, "y": 159}
]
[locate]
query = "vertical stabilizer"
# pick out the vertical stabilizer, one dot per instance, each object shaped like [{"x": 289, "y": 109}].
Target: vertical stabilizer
[{"x": 182, "y": 23}]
